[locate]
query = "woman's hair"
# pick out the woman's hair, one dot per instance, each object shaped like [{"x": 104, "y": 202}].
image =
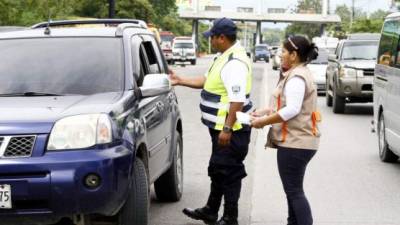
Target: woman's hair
[{"x": 307, "y": 51}]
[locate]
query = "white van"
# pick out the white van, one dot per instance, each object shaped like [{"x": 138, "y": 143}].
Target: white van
[
  {"x": 387, "y": 90},
  {"x": 183, "y": 50}
]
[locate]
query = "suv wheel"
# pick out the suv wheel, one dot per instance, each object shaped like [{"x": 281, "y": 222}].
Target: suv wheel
[
  {"x": 169, "y": 186},
  {"x": 329, "y": 99},
  {"x": 338, "y": 102},
  {"x": 385, "y": 154},
  {"x": 193, "y": 62},
  {"x": 136, "y": 207}
]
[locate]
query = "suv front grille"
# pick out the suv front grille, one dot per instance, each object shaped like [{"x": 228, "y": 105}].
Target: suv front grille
[
  {"x": 16, "y": 146},
  {"x": 368, "y": 72}
]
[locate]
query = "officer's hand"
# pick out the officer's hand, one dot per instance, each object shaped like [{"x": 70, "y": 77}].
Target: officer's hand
[
  {"x": 175, "y": 79},
  {"x": 224, "y": 138},
  {"x": 257, "y": 122}
]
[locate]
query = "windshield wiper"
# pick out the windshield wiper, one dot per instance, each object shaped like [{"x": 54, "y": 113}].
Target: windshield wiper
[{"x": 28, "y": 93}]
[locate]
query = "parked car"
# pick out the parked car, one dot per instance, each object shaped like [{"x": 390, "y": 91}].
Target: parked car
[
  {"x": 350, "y": 71},
  {"x": 276, "y": 60},
  {"x": 386, "y": 90},
  {"x": 318, "y": 69},
  {"x": 261, "y": 52},
  {"x": 88, "y": 122},
  {"x": 184, "y": 50}
]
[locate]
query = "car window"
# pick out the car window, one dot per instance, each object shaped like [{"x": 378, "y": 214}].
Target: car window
[
  {"x": 385, "y": 53},
  {"x": 159, "y": 55},
  {"x": 64, "y": 66},
  {"x": 183, "y": 45},
  {"x": 363, "y": 50},
  {"x": 261, "y": 48},
  {"x": 153, "y": 66}
]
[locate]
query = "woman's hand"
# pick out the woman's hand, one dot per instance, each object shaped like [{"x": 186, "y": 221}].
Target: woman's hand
[
  {"x": 261, "y": 112},
  {"x": 175, "y": 79},
  {"x": 258, "y": 122}
]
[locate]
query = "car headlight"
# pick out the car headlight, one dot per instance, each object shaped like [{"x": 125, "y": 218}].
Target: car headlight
[
  {"x": 81, "y": 131},
  {"x": 348, "y": 72}
]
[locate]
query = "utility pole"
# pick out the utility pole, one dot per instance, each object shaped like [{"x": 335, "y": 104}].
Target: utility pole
[
  {"x": 111, "y": 8},
  {"x": 352, "y": 14}
]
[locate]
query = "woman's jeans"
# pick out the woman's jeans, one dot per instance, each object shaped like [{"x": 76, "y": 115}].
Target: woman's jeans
[{"x": 292, "y": 165}]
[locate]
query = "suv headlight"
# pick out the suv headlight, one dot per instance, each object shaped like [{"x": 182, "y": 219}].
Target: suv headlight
[
  {"x": 348, "y": 72},
  {"x": 81, "y": 131}
]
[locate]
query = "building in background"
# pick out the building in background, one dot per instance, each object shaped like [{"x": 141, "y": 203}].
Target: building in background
[{"x": 187, "y": 5}]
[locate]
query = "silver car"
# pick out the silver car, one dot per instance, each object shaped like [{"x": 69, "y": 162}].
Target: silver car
[
  {"x": 350, "y": 71},
  {"x": 387, "y": 90}
]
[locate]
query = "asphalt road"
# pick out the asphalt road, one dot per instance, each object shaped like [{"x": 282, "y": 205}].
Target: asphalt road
[{"x": 345, "y": 182}]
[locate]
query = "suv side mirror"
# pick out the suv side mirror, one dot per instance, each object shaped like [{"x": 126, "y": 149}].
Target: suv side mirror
[
  {"x": 332, "y": 57},
  {"x": 155, "y": 84}
]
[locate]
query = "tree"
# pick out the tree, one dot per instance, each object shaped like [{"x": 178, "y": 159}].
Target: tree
[
  {"x": 308, "y": 29},
  {"x": 138, "y": 9}
]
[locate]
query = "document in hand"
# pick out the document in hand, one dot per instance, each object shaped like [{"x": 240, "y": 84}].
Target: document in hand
[{"x": 243, "y": 118}]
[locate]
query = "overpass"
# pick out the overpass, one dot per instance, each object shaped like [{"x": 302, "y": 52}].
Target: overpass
[{"x": 322, "y": 19}]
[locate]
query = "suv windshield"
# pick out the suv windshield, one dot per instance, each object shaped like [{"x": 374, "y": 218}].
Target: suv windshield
[
  {"x": 366, "y": 50},
  {"x": 322, "y": 57},
  {"x": 61, "y": 66},
  {"x": 183, "y": 45},
  {"x": 261, "y": 48}
]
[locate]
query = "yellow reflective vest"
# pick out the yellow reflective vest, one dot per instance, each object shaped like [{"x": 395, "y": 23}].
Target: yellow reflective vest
[{"x": 214, "y": 103}]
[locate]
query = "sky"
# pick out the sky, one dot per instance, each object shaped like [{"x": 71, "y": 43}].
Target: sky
[{"x": 368, "y": 6}]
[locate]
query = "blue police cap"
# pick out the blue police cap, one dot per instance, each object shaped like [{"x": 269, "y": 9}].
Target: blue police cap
[{"x": 221, "y": 26}]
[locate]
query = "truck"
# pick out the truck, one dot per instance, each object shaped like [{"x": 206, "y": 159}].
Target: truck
[{"x": 167, "y": 38}]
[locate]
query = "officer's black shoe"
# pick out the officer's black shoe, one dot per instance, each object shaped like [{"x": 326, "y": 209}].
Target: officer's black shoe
[
  {"x": 227, "y": 221},
  {"x": 204, "y": 214}
]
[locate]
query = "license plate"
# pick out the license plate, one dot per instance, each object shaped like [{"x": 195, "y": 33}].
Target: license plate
[{"x": 5, "y": 196}]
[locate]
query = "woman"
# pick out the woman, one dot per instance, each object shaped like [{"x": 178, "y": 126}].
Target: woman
[{"x": 293, "y": 116}]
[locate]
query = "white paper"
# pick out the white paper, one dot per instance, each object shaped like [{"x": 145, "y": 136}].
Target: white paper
[{"x": 243, "y": 118}]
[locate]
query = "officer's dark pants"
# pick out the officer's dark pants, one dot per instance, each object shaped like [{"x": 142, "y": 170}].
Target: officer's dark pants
[
  {"x": 226, "y": 170},
  {"x": 292, "y": 164}
]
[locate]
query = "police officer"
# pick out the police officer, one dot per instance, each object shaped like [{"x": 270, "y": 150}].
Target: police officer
[{"x": 226, "y": 90}]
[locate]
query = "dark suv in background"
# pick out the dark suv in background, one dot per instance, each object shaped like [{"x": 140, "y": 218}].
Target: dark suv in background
[
  {"x": 261, "y": 52},
  {"x": 350, "y": 72},
  {"x": 88, "y": 121}
]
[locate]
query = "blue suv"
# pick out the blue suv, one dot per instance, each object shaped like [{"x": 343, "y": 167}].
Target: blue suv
[
  {"x": 261, "y": 52},
  {"x": 88, "y": 122}
]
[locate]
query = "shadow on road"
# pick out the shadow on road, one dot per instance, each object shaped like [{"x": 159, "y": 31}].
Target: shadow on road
[{"x": 359, "y": 109}]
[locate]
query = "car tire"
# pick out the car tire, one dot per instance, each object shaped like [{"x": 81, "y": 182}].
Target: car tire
[
  {"x": 274, "y": 68},
  {"x": 136, "y": 207},
  {"x": 267, "y": 60},
  {"x": 172, "y": 62},
  {"x": 338, "y": 102},
  {"x": 193, "y": 62},
  {"x": 169, "y": 187},
  {"x": 329, "y": 98},
  {"x": 385, "y": 154}
]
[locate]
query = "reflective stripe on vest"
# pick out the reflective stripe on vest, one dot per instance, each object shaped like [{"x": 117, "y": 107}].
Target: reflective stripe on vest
[{"x": 214, "y": 103}]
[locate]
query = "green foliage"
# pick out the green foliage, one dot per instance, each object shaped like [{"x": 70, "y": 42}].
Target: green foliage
[
  {"x": 309, "y": 30},
  {"x": 367, "y": 25},
  {"x": 163, "y": 13},
  {"x": 138, "y": 9},
  {"x": 361, "y": 23},
  {"x": 311, "y": 6},
  {"x": 273, "y": 36}
]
